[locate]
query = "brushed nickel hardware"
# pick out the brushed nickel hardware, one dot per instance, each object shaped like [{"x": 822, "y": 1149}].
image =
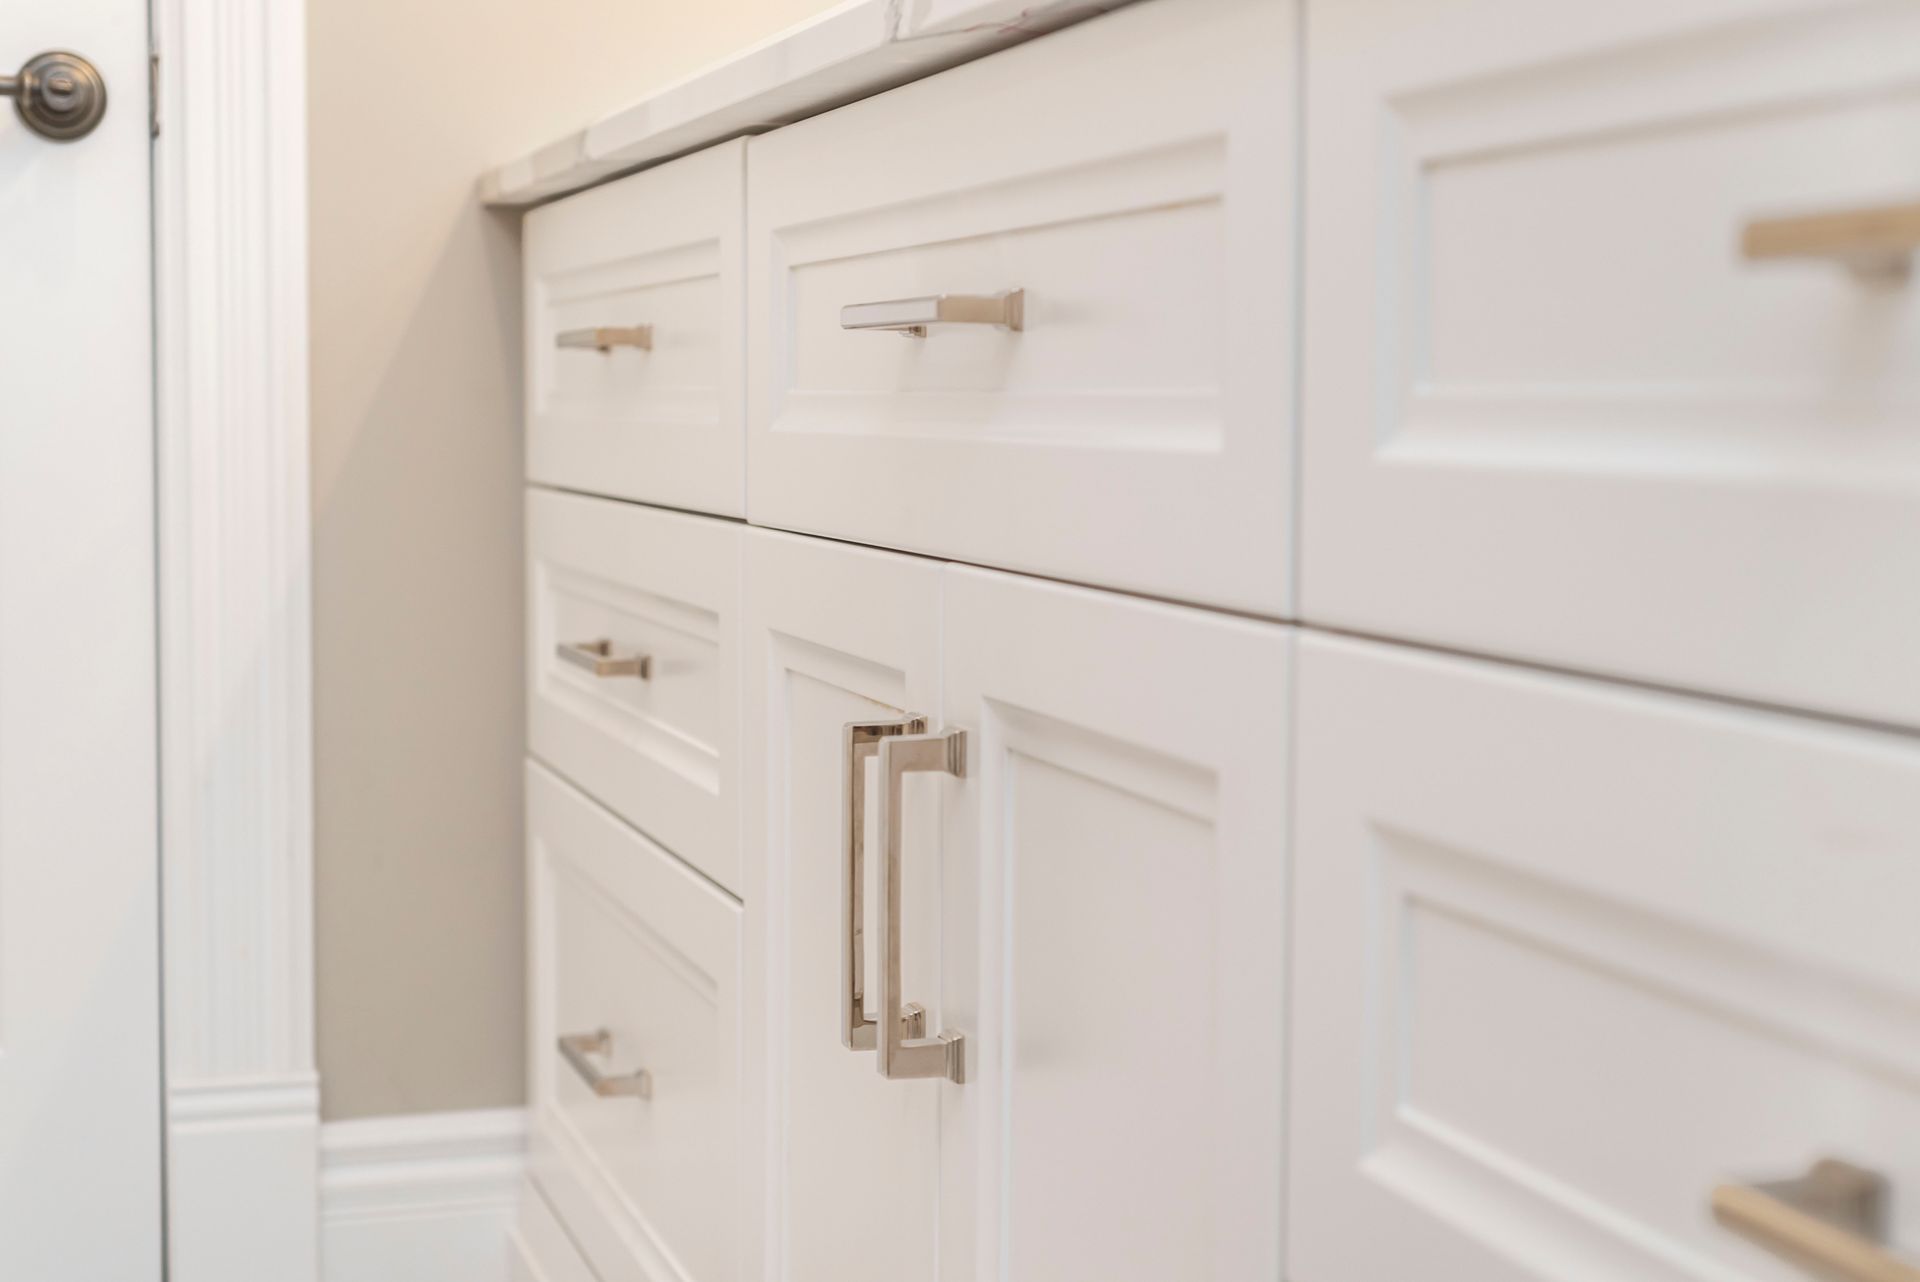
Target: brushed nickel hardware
[
  {"x": 1876, "y": 242},
  {"x": 605, "y": 338},
  {"x": 1833, "y": 1220},
  {"x": 901, "y": 1050},
  {"x": 911, "y": 316},
  {"x": 598, "y": 658},
  {"x": 576, "y": 1048},
  {"x": 58, "y": 95},
  {"x": 861, "y": 740}
]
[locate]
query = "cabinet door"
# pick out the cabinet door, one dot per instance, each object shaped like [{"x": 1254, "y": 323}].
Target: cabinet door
[
  {"x": 848, "y": 1160},
  {"x": 1577, "y": 966},
  {"x": 1555, "y": 413},
  {"x": 1113, "y": 893}
]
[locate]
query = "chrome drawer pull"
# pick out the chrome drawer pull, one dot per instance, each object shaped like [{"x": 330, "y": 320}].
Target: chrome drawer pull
[
  {"x": 911, "y": 316},
  {"x": 575, "y": 1049},
  {"x": 1832, "y": 1220},
  {"x": 1877, "y": 242},
  {"x": 607, "y": 337},
  {"x": 901, "y": 1052},
  {"x": 598, "y": 658},
  {"x": 861, "y": 740}
]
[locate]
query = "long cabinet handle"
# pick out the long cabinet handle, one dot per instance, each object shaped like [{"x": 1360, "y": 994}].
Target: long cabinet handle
[
  {"x": 911, "y": 316},
  {"x": 598, "y": 658},
  {"x": 604, "y": 338},
  {"x": 902, "y": 1053},
  {"x": 1875, "y": 241},
  {"x": 578, "y": 1048},
  {"x": 1832, "y": 1219},
  {"x": 861, "y": 740}
]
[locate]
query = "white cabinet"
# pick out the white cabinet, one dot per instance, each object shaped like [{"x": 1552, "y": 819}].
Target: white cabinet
[
  {"x": 1569, "y": 957},
  {"x": 634, "y": 1068},
  {"x": 1114, "y": 875},
  {"x": 832, "y": 635},
  {"x": 1093, "y": 906},
  {"x": 634, "y": 343},
  {"x": 538, "y": 1248},
  {"x": 1551, "y": 412},
  {"x": 1132, "y": 178},
  {"x": 633, "y": 673}
]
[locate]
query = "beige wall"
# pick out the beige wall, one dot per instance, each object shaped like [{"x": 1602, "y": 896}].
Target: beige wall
[{"x": 416, "y": 476}]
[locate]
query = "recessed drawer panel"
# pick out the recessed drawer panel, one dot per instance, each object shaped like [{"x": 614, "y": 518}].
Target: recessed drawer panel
[
  {"x": 635, "y": 1058},
  {"x": 634, "y": 339},
  {"x": 1035, "y": 312},
  {"x": 1585, "y": 388},
  {"x": 1581, "y": 971},
  {"x": 538, "y": 1249},
  {"x": 633, "y": 666}
]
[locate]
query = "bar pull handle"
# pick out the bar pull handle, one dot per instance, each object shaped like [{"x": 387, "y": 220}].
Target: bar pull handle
[
  {"x": 604, "y": 338},
  {"x": 861, "y": 740},
  {"x": 904, "y": 1051},
  {"x": 576, "y": 1048},
  {"x": 1831, "y": 1219},
  {"x": 598, "y": 658},
  {"x": 911, "y": 316},
  {"x": 1876, "y": 242}
]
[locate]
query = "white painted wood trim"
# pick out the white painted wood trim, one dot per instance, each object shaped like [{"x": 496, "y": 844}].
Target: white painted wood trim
[
  {"x": 429, "y": 1197},
  {"x": 235, "y": 655}
]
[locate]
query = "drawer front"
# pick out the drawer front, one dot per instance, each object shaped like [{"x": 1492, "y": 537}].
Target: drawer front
[
  {"x": 1555, "y": 413},
  {"x": 538, "y": 1249},
  {"x": 630, "y": 584},
  {"x": 1570, "y": 957},
  {"x": 1131, "y": 176},
  {"x": 651, "y": 266},
  {"x": 639, "y": 957}
]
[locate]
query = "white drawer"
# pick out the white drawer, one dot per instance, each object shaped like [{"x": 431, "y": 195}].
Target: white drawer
[
  {"x": 1553, "y": 412},
  {"x": 1133, "y": 176},
  {"x": 1569, "y": 957},
  {"x": 634, "y": 582},
  {"x": 659, "y": 252},
  {"x": 538, "y": 1249},
  {"x": 628, "y": 942}
]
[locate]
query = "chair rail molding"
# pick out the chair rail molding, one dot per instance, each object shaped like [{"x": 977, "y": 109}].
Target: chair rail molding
[{"x": 235, "y": 650}]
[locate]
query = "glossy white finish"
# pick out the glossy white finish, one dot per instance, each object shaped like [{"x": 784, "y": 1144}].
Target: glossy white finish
[
  {"x": 1568, "y": 955},
  {"x": 660, "y": 751},
  {"x": 849, "y": 52},
  {"x": 661, "y": 249},
  {"x": 1134, "y": 176},
  {"x": 1553, "y": 414},
  {"x": 80, "y": 1098},
  {"x": 1114, "y": 922},
  {"x": 627, "y": 938},
  {"x": 833, "y": 634}
]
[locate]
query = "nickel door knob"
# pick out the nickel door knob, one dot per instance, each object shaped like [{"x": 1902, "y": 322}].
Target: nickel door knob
[{"x": 58, "y": 95}]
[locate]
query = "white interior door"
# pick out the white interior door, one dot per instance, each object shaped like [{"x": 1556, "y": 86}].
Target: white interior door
[{"x": 80, "y": 1172}]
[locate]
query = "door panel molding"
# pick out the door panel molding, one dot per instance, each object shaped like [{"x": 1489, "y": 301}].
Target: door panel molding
[{"x": 235, "y": 659}]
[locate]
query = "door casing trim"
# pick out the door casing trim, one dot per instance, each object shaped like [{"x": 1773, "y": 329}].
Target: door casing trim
[{"x": 234, "y": 569}]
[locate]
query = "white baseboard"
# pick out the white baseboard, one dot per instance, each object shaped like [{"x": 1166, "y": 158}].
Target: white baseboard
[
  {"x": 428, "y": 1197},
  {"x": 240, "y": 1176}
]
